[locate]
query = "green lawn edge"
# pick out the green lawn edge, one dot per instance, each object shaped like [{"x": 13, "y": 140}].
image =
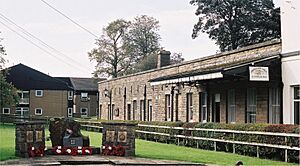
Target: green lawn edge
[{"x": 146, "y": 149}]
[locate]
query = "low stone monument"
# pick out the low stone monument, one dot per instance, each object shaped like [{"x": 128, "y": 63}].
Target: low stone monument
[
  {"x": 66, "y": 132},
  {"x": 30, "y": 138},
  {"x": 118, "y": 138}
]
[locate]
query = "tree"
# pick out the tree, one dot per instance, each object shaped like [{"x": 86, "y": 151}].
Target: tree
[
  {"x": 236, "y": 23},
  {"x": 8, "y": 93},
  {"x": 124, "y": 46},
  {"x": 176, "y": 58},
  {"x": 110, "y": 55},
  {"x": 142, "y": 42},
  {"x": 143, "y": 38}
]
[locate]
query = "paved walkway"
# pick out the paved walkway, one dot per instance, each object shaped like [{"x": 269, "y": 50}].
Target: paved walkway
[{"x": 90, "y": 160}]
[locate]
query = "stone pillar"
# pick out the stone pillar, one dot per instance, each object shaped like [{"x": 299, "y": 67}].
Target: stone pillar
[
  {"x": 116, "y": 134},
  {"x": 29, "y": 134}
]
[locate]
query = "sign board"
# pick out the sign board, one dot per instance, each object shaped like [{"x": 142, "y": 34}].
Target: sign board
[{"x": 258, "y": 73}]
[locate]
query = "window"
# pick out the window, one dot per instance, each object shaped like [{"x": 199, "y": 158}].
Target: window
[
  {"x": 38, "y": 93},
  {"x": 251, "y": 106},
  {"x": 149, "y": 110},
  {"x": 84, "y": 112},
  {"x": 22, "y": 111},
  {"x": 189, "y": 106},
  {"x": 141, "y": 109},
  {"x": 70, "y": 112},
  {"x": 100, "y": 111},
  {"x": 168, "y": 108},
  {"x": 231, "y": 107},
  {"x": 84, "y": 96},
  {"x": 296, "y": 103},
  {"x": 70, "y": 95},
  {"x": 274, "y": 105},
  {"x": 24, "y": 97},
  {"x": 203, "y": 96},
  {"x": 134, "y": 108},
  {"x": 38, "y": 111},
  {"x": 6, "y": 110}
]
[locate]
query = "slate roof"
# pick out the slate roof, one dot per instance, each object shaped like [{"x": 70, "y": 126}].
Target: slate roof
[
  {"x": 84, "y": 84},
  {"x": 224, "y": 68},
  {"x": 26, "y": 78}
]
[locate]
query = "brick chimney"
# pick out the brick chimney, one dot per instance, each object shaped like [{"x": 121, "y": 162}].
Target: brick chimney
[{"x": 163, "y": 58}]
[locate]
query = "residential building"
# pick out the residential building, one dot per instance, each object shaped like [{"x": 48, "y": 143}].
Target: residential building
[
  {"x": 43, "y": 95},
  {"x": 40, "y": 94}
]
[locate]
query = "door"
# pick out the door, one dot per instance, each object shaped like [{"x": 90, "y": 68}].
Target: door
[{"x": 216, "y": 107}]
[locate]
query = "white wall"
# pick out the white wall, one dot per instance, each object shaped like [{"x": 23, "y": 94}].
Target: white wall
[{"x": 290, "y": 34}]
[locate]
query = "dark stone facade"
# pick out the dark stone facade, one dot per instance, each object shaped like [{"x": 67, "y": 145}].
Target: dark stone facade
[
  {"x": 119, "y": 134},
  {"x": 29, "y": 134}
]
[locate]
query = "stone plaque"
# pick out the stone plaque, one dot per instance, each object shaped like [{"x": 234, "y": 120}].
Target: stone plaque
[
  {"x": 122, "y": 136},
  {"x": 29, "y": 136},
  {"x": 38, "y": 136},
  {"x": 110, "y": 136}
]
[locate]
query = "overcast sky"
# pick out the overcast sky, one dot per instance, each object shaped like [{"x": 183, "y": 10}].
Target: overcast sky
[{"x": 176, "y": 19}]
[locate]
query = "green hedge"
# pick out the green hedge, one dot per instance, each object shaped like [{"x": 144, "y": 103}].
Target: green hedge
[{"x": 264, "y": 152}]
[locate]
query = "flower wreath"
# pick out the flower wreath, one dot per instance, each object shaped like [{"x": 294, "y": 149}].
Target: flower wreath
[
  {"x": 119, "y": 150},
  {"x": 58, "y": 150},
  {"x": 87, "y": 151},
  {"x": 36, "y": 152},
  {"x": 107, "y": 150}
]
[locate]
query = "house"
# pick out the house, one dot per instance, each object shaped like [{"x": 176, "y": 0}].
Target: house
[
  {"x": 254, "y": 84},
  {"x": 85, "y": 96},
  {"x": 43, "y": 95},
  {"x": 40, "y": 94}
]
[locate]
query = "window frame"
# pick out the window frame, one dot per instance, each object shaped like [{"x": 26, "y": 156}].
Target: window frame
[
  {"x": 35, "y": 111},
  {"x": 203, "y": 106},
  {"x": 37, "y": 95},
  {"x": 70, "y": 95},
  {"x": 190, "y": 107},
  {"x": 252, "y": 105},
  {"x": 70, "y": 114},
  {"x": 296, "y": 100},
  {"x": 231, "y": 105},
  {"x": 5, "y": 108},
  {"x": 168, "y": 106},
  {"x": 84, "y": 97},
  {"x": 86, "y": 111}
]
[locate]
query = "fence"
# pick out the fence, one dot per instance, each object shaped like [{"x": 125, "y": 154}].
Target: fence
[
  {"x": 181, "y": 134},
  {"x": 11, "y": 118}
]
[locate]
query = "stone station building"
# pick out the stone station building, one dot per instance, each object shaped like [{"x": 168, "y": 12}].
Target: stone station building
[{"x": 210, "y": 89}]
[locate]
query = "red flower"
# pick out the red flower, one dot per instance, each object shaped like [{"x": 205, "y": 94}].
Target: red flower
[{"x": 119, "y": 150}]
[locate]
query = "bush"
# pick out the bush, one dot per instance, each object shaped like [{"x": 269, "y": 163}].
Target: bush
[{"x": 264, "y": 152}]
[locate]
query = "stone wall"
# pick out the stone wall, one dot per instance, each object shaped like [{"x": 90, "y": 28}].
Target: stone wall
[
  {"x": 28, "y": 135},
  {"x": 119, "y": 134}
]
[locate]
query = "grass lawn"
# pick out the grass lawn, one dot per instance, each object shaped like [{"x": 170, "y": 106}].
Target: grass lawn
[{"x": 146, "y": 149}]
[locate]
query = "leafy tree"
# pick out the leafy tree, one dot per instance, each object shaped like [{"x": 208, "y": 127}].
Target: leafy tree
[
  {"x": 142, "y": 38},
  {"x": 237, "y": 23},
  {"x": 125, "y": 46},
  {"x": 8, "y": 93},
  {"x": 110, "y": 55},
  {"x": 176, "y": 58}
]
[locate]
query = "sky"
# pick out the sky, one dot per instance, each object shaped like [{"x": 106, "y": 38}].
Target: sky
[{"x": 67, "y": 45}]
